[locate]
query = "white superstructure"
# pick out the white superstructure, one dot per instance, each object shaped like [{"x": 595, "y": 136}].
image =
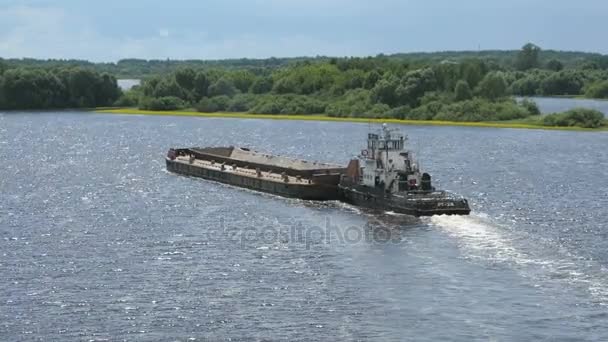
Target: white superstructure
[{"x": 387, "y": 164}]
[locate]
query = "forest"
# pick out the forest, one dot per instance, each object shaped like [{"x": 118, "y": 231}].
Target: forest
[
  {"x": 451, "y": 86},
  {"x": 25, "y": 88}
]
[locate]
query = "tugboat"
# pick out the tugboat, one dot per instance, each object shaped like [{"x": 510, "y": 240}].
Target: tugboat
[{"x": 386, "y": 176}]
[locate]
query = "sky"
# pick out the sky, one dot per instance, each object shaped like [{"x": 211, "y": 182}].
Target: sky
[{"x": 109, "y": 30}]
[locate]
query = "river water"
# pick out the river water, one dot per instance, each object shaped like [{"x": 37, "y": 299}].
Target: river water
[
  {"x": 98, "y": 242},
  {"x": 548, "y": 105}
]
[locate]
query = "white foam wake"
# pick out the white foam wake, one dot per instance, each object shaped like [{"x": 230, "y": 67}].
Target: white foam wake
[{"x": 480, "y": 238}]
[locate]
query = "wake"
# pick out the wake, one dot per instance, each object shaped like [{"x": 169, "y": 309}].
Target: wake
[{"x": 481, "y": 239}]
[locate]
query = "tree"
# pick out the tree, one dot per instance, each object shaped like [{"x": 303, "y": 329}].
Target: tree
[
  {"x": 590, "y": 65},
  {"x": 579, "y": 117},
  {"x": 527, "y": 58},
  {"x": 462, "y": 91},
  {"x": 554, "y": 65},
  {"x": 213, "y": 104},
  {"x": 413, "y": 86},
  {"x": 261, "y": 85},
  {"x": 598, "y": 90},
  {"x": 371, "y": 79},
  {"x": 162, "y": 103},
  {"x": 2, "y": 99},
  {"x": 185, "y": 78},
  {"x": 168, "y": 87},
  {"x": 526, "y": 86},
  {"x": 493, "y": 86},
  {"x": 81, "y": 84},
  {"x": 106, "y": 90},
  {"x": 223, "y": 86},
  {"x": 148, "y": 85},
  {"x": 531, "y": 106},
  {"x": 31, "y": 88},
  {"x": 565, "y": 82},
  {"x": 384, "y": 90},
  {"x": 473, "y": 71},
  {"x": 242, "y": 80},
  {"x": 201, "y": 84}
]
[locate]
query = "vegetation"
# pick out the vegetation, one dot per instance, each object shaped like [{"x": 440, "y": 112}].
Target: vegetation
[
  {"x": 598, "y": 90},
  {"x": 25, "y": 88},
  {"x": 416, "y": 87},
  {"x": 507, "y": 59},
  {"x": 533, "y": 122},
  {"x": 578, "y": 117},
  {"x": 452, "y": 86}
]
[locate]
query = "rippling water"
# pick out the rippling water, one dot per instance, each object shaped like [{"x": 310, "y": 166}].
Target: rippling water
[{"x": 99, "y": 242}]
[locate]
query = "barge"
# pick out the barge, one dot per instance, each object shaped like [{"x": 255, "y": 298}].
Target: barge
[{"x": 259, "y": 171}]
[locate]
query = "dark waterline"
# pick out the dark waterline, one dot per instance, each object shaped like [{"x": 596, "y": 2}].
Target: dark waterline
[{"x": 98, "y": 241}]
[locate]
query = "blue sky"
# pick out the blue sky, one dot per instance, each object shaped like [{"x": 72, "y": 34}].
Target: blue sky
[{"x": 208, "y": 29}]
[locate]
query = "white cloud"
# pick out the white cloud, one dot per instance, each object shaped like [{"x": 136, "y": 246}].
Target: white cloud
[{"x": 21, "y": 24}]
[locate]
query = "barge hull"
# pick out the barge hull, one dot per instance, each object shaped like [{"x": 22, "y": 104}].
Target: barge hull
[{"x": 318, "y": 192}]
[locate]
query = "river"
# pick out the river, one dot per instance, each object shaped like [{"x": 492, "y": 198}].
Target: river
[
  {"x": 99, "y": 242},
  {"x": 548, "y": 105},
  {"x": 127, "y": 84}
]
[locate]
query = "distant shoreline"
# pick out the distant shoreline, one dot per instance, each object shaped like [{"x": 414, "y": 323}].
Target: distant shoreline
[{"x": 306, "y": 117}]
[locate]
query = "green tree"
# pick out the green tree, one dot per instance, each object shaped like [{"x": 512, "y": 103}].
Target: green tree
[
  {"x": 168, "y": 87},
  {"x": 598, "y": 90},
  {"x": 414, "y": 85},
  {"x": 527, "y": 86},
  {"x": 201, "y": 85},
  {"x": 590, "y": 65},
  {"x": 462, "y": 91},
  {"x": 81, "y": 83},
  {"x": 242, "y": 80},
  {"x": 213, "y": 104},
  {"x": 473, "y": 71},
  {"x": 2, "y": 98},
  {"x": 371, "y": 79},
  {"x": 162, "y": 103},
  {"x": 577, "y": 117},
  {"x": 531, "y": 106},
  {"x": 185, "y": 78},
  {"x": 31, "y": 88},
  {"x": 261, "y": 85},
  {"x": 129, "y": 98},
  {"x": 106, "y": 90},
  {"x": 527, "y": 58},
  {"x": 223, "y": 86},
  {"x": 565, "y": 82},
  {"x": 148, "y": 85},
  {"x": 385, "y": 90},
  {"x": 493, "y": 86},
  {"x": 555, "y": 65}
]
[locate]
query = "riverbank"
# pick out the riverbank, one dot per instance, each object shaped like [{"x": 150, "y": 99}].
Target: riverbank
[{"x": 528, "y": 123}]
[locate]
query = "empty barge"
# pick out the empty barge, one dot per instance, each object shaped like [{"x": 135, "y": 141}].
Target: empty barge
[{"x": 245, "y": 168}]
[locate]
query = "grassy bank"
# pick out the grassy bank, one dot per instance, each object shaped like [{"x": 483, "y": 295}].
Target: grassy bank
[{"x": 528, "y": 123}]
